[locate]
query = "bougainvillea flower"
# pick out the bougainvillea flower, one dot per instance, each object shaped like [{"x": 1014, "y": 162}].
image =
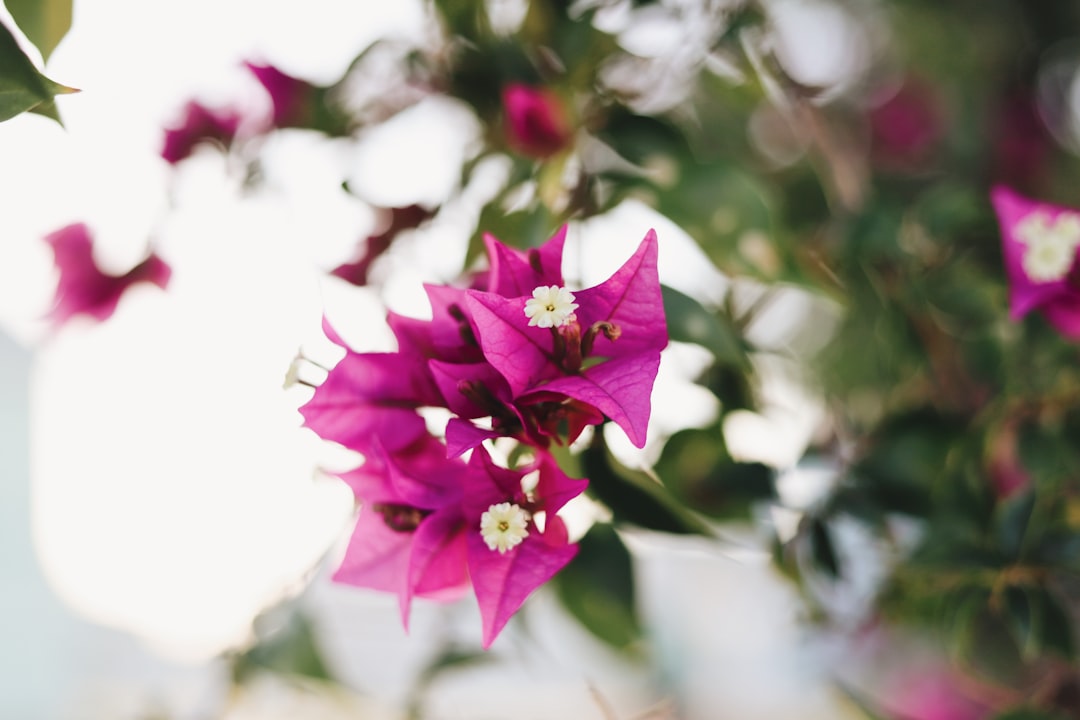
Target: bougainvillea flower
[
  {"x": 516, "y": 541},
  {"x": 518, "y": 272},
  {"x": 290, "y": 97},
  {"x": 1039, "y": 245},
  {"x": 199, "y": 124},
  {"x": 83, "y": 288},
  {"x": 604, "y": 354},
  {"x": 536, "y": 122},
  {"x": 410, "y": 533},
  {"x": 907, "y": 126},
  {"x": 371, "y": 397}
]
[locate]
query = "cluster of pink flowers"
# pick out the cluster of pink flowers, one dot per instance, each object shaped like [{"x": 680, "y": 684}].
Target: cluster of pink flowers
[{"x": 516, "y": 354}]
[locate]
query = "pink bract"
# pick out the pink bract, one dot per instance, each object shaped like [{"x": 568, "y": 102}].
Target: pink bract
[
  {"x": 536, "y": 123},
  {"x": 503, "y": 581},
  {"x": 198, "y": 125},
  {"x": 83, "y": 288},
  {"x": 1058, "y": 300},
  {"x": 619, "y": 322}
]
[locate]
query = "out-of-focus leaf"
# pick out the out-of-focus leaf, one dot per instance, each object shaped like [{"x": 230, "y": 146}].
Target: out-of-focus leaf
[
  {"x": 1030, "y": 714},
  {"x": 907, "y": 459},
  {"x": 635, "y": 498},
  {"x": 689, "y": 321},
  {"x": 45, "y": 22},
  {"x": 597, "y": 587},
  {"x": 822, "y": 548},
  {"x": 1058, "y": 630},
  {"x": 697, "y": 469},
  {"x": 1025, "y": 619},
  {"x": 22, "y": 87},
  {"x": 290, "y": 649},
  {"x": 1013, "y": 520}
]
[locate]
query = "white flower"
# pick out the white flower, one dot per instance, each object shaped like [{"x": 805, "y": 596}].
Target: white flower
[
  {"x": 1037, "y": 227},
  {"x": 550, "y": 306},
  {"x": 503, "y": 526},
  {"x": 1051, "y": 244},
  {"x": 1048, "y": 259}
]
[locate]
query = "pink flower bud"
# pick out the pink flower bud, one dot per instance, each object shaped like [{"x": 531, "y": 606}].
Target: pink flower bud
[{"x": 536, "y": 123}]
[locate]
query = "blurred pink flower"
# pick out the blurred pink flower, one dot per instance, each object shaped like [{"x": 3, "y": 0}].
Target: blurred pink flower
[
  {"x": 907, "y": 127},
  {"x": 1021, "y": 143},
  {"x": 199, "y": 124},
  {"x": 292, "y": 99},
  {"x": 933, "y": 695},
  {"x": 536, "y": 122},
  {"x": 83, "y": 288},
  {"x": 1039, "y": 245}
]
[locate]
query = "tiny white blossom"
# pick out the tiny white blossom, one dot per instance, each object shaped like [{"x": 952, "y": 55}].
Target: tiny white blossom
[
  {"x": 550, "y": 306},
  {"x": 1037, "y": 227},
  {"x": 503, "y": 526},
  {"x": 1048, "y": 259}
]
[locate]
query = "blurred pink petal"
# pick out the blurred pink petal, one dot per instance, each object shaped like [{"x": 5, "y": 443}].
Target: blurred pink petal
[{"x": 83, "y": 288}]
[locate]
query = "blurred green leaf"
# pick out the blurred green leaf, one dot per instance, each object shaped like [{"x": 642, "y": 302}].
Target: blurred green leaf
[
  {"x": 45, "y": 22},
  {"x": 597, "y": 587},
  {"x": 822, "y": 548},
  {"x": 906, "y": 458},
  {"x": 22, "y": 87},
  {"x": 1030, "y": 714},
  {"x": 697, "y": 469},
  {"x": 633, "y": 497},
  {"x": 689, "y": 321},
  {"x": 289, "y": 649},
  {"x": 1014, "y": 518}
]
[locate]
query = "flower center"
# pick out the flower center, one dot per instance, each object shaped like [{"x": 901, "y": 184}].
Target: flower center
[
  {"x": 503, "y": 526},
  {"x": 1051, "y": 244},
  {"x": 550, "y": 306}
]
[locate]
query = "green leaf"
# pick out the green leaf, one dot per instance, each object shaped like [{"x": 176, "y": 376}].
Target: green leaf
[
  {"x": 822, "y": 548},
  {"x": 22, "y": 87},
  {"x": 697, "y": 469},
  {"x": 45, "y": 22},
  {"x": 1030, "y": 714},
  {"x": 634, "y": 497},
  {"x": 1012, "y": 524},
  {"x": 597, "y": 587},
  {"x": 689, "y": 321},
  {"x": 290, "y": 649}
]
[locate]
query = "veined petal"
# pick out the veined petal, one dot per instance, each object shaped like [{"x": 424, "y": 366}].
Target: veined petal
[
  {"x": 516, "y": 272},
  {"x": 555, "y": 488},
  {"x": 376, "y": 556},
  {"x": 503, "y": 581},
  {"x": 462, "y": 435},
  {"x": 631, "y": 300},
  {"x": 438, "y": 567},
  {"x": 620, "y": 388},
  {"x": 521, "y": 354},
  {"x": 369, "y": 394}
]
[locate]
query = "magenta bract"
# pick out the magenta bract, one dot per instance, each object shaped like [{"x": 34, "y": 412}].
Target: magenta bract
[
  {"x": 536, "y": 123},
  {"x": 83, "y": 288},
  {"x": 199, "y": 124},
  {"x": 1039, "y": 246}
]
